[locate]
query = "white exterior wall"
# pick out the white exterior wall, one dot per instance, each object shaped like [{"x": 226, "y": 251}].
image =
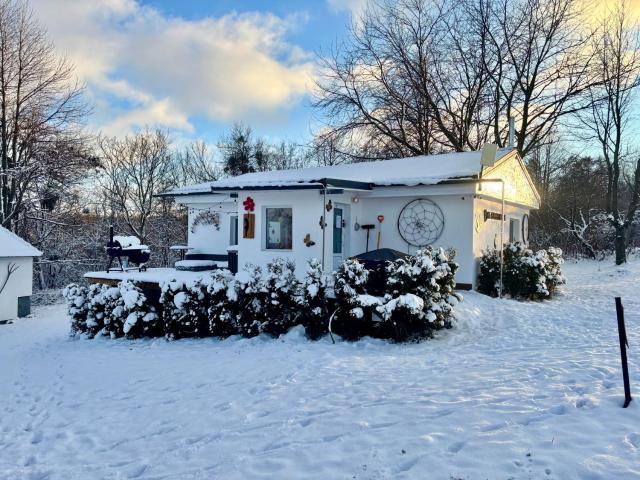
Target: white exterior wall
[
  {"x": 458, "y": 202},
  {"x": 20, "y": 285},
  {"x": 307, "y": 208},
  {"x": 208, "y": 238},
  {"x": 456, "y": 206},
  {"x": 455, "y": 203}
]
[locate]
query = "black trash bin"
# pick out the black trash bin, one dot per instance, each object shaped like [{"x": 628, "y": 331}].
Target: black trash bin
[
  {"x": 375, "y": 261},
  {"x": 232, "y": 260}
]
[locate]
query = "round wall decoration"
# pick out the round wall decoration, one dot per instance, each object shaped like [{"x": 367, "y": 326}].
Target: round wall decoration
[
  {"x": 525, "y": 228},
  {"x": 420, "y": 222}
]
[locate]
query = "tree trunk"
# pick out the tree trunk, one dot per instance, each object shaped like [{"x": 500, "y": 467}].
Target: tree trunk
[{"x": 621, "y": 244}]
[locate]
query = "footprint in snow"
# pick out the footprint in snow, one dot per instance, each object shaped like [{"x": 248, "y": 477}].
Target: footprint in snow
[
  {"x": 456, "y": 447},
  {"x": 558, "y": 410},
  {"x": 633, "y": 439},
  {"x": 585, "y": 403},
  {"x": 36, "y": 438},
  {"x": 137, "y": 471}
]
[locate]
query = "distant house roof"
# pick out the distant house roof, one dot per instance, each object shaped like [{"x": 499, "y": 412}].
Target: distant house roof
[
  {"x": 12, "y": 245},
  {"x": 421, "y": 170}
]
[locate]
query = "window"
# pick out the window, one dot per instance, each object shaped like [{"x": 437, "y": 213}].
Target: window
[
  {"x": 278, "y": 228},
  {"x": 514, "y": 230},
  {"x": 233, "y": 232}
]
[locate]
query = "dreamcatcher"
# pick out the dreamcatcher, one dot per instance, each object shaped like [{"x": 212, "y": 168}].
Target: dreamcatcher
[{"x": 420, "y": 222}]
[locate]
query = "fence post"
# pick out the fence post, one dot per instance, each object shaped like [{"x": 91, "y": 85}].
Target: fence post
[{"x": 622, "y": 334}]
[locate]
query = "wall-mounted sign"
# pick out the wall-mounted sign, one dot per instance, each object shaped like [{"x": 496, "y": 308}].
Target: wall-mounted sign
[
  {"x": 489, "y": 215},
  {"x": 249, "y": 204},
  {"x": 248, "y": 225}
]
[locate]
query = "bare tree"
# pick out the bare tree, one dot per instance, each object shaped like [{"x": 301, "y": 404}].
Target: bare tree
[
  {"x": 133, "y": 170},
  {"x": 196, "y": 164},
  {"x": 40, "y": 114},
  {"x": 617, "y": 52},
  {"x": 541, "y": 72},
  {"x": 408, "y": 82},
  {"x": 424, "y": 76}
]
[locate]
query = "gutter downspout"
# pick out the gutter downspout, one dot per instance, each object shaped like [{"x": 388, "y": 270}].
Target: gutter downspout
[
  {"x": 324, "y": 222},
  {"x": 480, "y": 181},
  {"x": 501, "y": 241}
]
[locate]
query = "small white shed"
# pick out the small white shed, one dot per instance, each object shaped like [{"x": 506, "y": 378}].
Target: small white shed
[
  {"x": 16, "y": 275},
  {"x": 455, "y": 200}
]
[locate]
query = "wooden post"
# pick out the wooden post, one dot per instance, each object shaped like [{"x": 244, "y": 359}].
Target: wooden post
[{"x": 624, "y": 344}]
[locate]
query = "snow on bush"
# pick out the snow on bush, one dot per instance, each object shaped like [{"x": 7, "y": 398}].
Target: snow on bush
[
  {"x": 526, "y": 274},
  {"x": 76, "y": 298},
  {"x": 184, "y": 309},
  {"x": 95, "y": 309},
  {"x": 117, "y": 311},
  {"x": 312, "y": 301},
  {"x": 246, "y": 297},
  {"x": 420, "y": 297},
  {"x": 281, "y": 309},
  {"x": 352, "y": 317},
  {"x": 141, "y": 319},
  {"x": 419, "y": 300},
  {"x": 222, "y": 318},
  {"x": 127, "y": 312}
]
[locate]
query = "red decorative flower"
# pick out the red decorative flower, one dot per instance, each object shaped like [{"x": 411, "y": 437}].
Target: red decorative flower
[{"x": 249, "y": 204}]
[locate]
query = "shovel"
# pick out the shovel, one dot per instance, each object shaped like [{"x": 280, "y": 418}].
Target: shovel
[{"x": 368, "y": 228}]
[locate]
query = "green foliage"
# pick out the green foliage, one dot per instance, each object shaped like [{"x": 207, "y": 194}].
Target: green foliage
[
  {"x": 420, "y": 295},
  {"x": 314, "y": 314},
  {"x": 352, "y": 318},
  {"x": 525, "y": 274},
  {"x": 282, "y": 288}
]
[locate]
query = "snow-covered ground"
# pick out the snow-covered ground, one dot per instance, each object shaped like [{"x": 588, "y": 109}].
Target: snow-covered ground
[{"x": 514, "y": 391}]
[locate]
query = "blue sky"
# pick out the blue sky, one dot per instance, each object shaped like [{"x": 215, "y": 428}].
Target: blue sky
[{"x": 195, "y": 67}]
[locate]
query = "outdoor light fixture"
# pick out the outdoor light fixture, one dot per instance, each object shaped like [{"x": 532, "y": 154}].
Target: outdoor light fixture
[{"x": 355, "y": 199}]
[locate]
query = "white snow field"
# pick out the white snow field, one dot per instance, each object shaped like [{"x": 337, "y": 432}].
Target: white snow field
[{"x": 515, "y": 391}]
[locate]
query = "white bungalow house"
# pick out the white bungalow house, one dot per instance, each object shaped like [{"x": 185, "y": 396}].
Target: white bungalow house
[
  {"x": 455, "y": 200},
  {"x": 16, "y": 275}
]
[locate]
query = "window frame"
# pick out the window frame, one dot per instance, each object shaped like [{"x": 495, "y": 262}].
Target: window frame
[
  {"x": 514, "y": 227},
  {"x": 265, "y": 229}
]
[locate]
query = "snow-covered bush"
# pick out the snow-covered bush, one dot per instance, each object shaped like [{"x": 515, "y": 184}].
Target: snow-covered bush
[
  {"x": 140, "y": 317},
  {"x": 246, "y": 298},
  {"x": 280, "y": 301},
  {"x": 184, "y": 309},
  {"x": 352, "y": 318},
  {"x": 526, "y": 274},
  {"x": 76, "y": 298},
  {"x": 222, "y": 321},
  {"x": 111, "y": 301},
  {"x": 95, "y": 309},
  {"x": 314, "y": 314},
  {"x": 420, "y": 297},
  {"x": 125, "y": 311},
  {"x": 554, "y": 275}
]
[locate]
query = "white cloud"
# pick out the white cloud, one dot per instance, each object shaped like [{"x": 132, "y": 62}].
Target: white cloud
[
  {"x": 356, "y": 7},
  {"x": 142, "y": 67}
]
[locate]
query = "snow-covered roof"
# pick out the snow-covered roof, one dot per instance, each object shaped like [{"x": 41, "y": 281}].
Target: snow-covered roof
[
  {"x": 421, "y": 170},
  {"x": 12, "y": 245}
]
